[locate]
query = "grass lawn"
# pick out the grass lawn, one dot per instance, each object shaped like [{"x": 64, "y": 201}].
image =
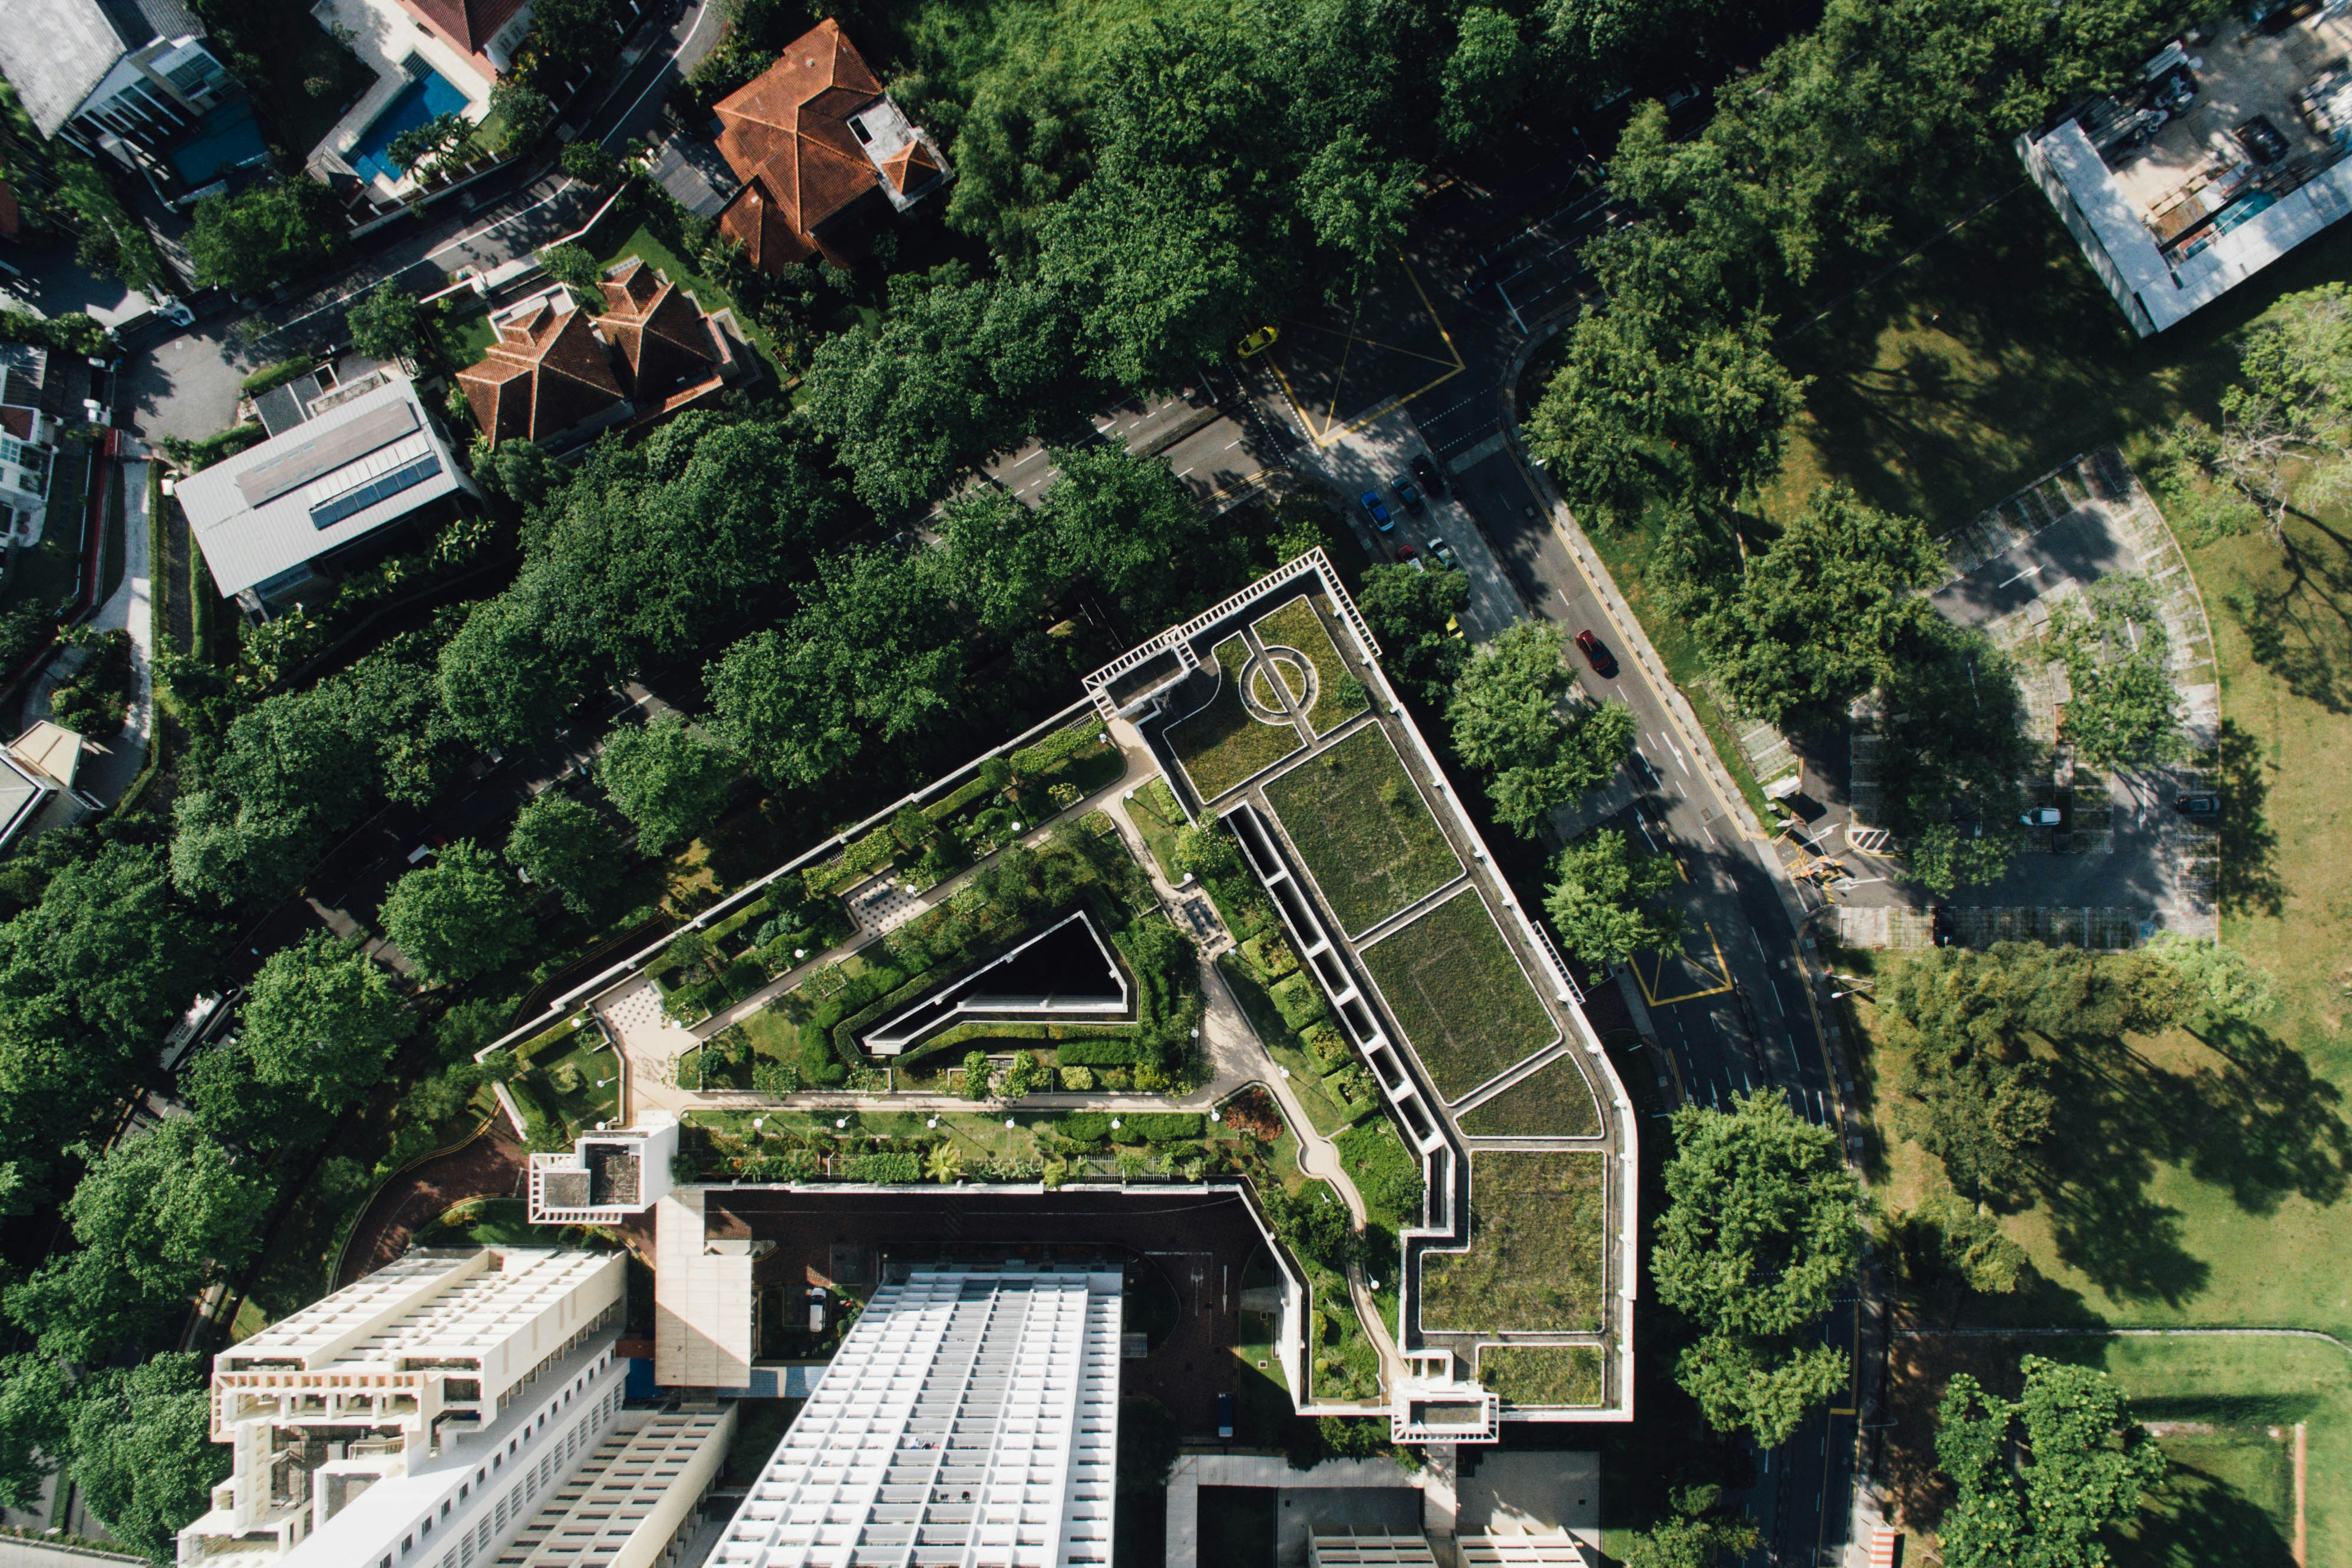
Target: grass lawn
[
  {"x": 644, "y": 243},
  {"x": 1296, "y": 626},
  {"x": 1360, "y": 826},
  {"x": 1387, "y": 1174},
  {"x": 1535, "y": 1238},
  {"x": 489, "y": 1222},
  {"x": 1541, "y": 1374},
  {"x": 1221, "y": 745},
  {"x": 1159, "y": 819},
  {"x": 562, "y": 1079},
  {"x": 1459, "y": 994},
  {"x": 1553, "y": 1102},
  {"x": 467, "y": 336}
]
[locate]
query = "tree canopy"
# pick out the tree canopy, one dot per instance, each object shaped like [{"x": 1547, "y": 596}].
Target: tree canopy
[
  {"x": 143, "y": 1453},
  {"x": 322, "y": 1014},
  {"x": 460, "y": 916},
  {"x": 1507, "y": 722},
  {"x": 1599, "y": 903},
  {"x": 2122, "y": 706},
  {"x": 386, "y": 324},
  {"x": 268, "y": 234},
  {"x": 1762, "y": 1226},
  {"x": 1407, "y": 611},
  {"x": 567, "y": 844},
  {"x": 2044, "y": 1480},
  {"x": 667, "y": 777}
]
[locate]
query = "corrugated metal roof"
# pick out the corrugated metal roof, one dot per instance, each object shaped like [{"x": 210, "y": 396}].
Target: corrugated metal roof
[{"x": 246, "y": 543}]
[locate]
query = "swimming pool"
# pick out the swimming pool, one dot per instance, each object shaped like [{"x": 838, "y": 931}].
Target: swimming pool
[{"x": 429, "y": 97}]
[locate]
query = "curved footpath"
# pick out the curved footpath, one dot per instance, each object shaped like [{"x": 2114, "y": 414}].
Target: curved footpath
[{"x": 488, "y": 1164}]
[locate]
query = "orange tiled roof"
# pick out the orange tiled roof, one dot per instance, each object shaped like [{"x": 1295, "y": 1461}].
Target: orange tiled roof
[
  {"x": 786, "y": 135},
  {"x": 472, "y": 23},
  {"x": 546, "y": 373},
  {"x": 911, "y": 166},
  {"x": 658, "y": 330}
]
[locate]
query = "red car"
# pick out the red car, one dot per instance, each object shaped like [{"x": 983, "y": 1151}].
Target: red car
[{"x": 1597, "y": 654}]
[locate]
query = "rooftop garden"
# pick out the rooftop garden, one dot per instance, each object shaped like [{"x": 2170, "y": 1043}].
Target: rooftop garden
[
  {"x": 1294, "y": 1023},
  {"x": 566, "y": 1081},
  {"x": 1553, "y": 1102},
  {"x": 1337, "y": 693},
  {"x": 1156, "y": 816},
  {"x": 1542, "y": 1375},
  {"x": 811, "y": 1031},
  {"x": 1457, "y": 989},
  {"x": 1224, "y": 745},
  {"x": 1360, "y": 826},
  {"x": 1536, "y": 1263}
]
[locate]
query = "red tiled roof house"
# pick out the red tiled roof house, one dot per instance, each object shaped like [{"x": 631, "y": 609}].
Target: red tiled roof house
[
  {"x": 546, "y": 376},
  {"x": 670, "y": 354},
  {"x": 823, "y": 154},
  {"x": 486, "y": 32}
]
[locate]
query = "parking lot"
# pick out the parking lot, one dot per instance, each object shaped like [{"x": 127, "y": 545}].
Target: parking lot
[{"x": 2122, "y": 863}]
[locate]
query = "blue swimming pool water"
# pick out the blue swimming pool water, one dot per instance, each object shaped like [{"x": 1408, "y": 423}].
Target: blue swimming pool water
[
  {"x": 227, "y": 138},
  {"x": 428, "y": 98}
]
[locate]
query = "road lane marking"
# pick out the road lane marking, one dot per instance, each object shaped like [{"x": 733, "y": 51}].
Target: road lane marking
[
  {"x": 1678, "y": 756},
  {"x": 2030, "y": 571},
  {"x": 1030, "y": 458}
]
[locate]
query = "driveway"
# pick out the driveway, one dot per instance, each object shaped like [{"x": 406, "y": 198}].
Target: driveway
[{"x": 186, "y": 385}]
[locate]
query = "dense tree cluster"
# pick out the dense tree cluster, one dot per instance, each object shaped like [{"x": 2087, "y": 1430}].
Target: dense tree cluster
[
  {"x": 1514, "y": 719},
  {"x": 1763, "y": 1226},
  {"x": 1603, "y": 902},
  {"x": 2044, "y": 1479}
]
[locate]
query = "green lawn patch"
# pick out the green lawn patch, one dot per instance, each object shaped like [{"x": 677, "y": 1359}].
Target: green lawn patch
[
  {"x": 467, "y": 336},
  {"x": 558, "y": 1090},
  {"x": 1157, "y": 817},
  {"x": 1360, "y": 826},
  {"x": 1458, "y": 993},
  {"x": 1221, "y": 745},
  {"x": 1387, "y": 1174},
  {"x": 1535, "y": 1264},
  {"x": 1337, "y": 693},
  {"x": 1553, "y": 1102},
  {"x": 487, "y": 1222},
  {"x": 1553, "y": 1374}
]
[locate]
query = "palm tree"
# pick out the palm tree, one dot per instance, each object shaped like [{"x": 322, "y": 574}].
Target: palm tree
[{"x": 943, "y": 1164}]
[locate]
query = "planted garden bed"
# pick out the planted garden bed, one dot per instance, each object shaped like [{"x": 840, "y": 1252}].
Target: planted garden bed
[
  {"x": 1224, "y": 744},
  {"x": 1553, "y": 1102},
  {"x": 1457, "y": 989},
  {"x": 1360, "y": 826},
  {"x": 1536, "y": 1259},
  {"x": 1542, "y": 1375},
  {"x": 1339, "y": 695}
]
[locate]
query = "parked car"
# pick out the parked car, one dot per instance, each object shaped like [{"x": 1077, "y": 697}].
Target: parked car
[
  {"x": 1225, "y": 1417},
  {"x": 1409, "y": 496},
  {"x": 2198, "y": 805},
  {"x": 1597, "y": 654},
  {"x": 1406, "y": 552},
  {"x": 2261, "y": 141},
  {"x": 1445, "y": 552},
  {"x": 1370, "y": 501},
  {"x": 1940, "y": 923},
  {"x": 1426, "y": 472},
  {"x": 1259, "y": 341},
  {"x": 2042, "y": 816}
]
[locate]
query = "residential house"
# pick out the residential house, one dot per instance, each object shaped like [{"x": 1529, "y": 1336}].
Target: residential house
[
  {"x": 36, "y": 770},
  {"x": 825, "y": 157},
  {"x": 131, "y": 79},
  {"x": 559, "y": 374},
  {"x": 29, "y": 427},
  {"x": 368, "y": 464},
  {"x": 484, "y": 33}
]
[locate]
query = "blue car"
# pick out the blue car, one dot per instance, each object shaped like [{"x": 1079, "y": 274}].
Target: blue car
[{"x": 1380, "y": 514}]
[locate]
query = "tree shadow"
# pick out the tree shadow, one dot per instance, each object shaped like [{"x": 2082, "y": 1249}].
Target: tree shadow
[
  {"x": 2195, "y": 1521},
  {"x": 2248, "y": 880}
]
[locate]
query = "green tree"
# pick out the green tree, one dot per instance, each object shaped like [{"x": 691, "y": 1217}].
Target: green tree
[
  {"x": 526, "y": 112},
  {"x": 1823, "y": 614},
  {"x": 268, "y": 234},
  {"x": 952, "y": 372},
  {"x": 1507, "y": 722},
  {"x": 160, "y": 1213},
  {"x": 1945, "y": 856},
  {"x": 2044, "y": 1481},
  {"x": 1695, "y": 1534},
  {"x": 1762, "y": 1225},
  {"x": 1408, "y": 612},
  {"x": 571, "y": 264},
  {"x": 1598, "y": 903},
  {"x": 112, "y": 240},
  {"x": 325, "y": 1016},
  {"x": 667, "y": 777},
  {"x": 1120, "y": 518},
  {"x": 2123, "y": 707},
  {"x": 2218, "y": 984},
  {"x": 423, "y": 149},
  {"x": 508, "y": 677},
  {"x": 386, "y": 324},
  {"x": 1490, "y": 67},
  {"x": 458, "y": 917},
  {"x": 1948, "y": 1239},
  {"x": 36, "y": 1425},
  {"x": 566, "y": 843},
  {"x": 587, "y": 162},
  {"x": 144, "y": 1454},
  {"x": 1005, "y": 561},
  {"x": 872, "y": 656},
  {"x": 568, "y": 34},
  {"x": 1356, "y": 198}
]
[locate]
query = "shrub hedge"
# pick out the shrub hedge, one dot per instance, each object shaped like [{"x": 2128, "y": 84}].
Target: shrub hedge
[
  {"x": 896, "y": 1168},
  {"x": 1096, "y": 1050}
]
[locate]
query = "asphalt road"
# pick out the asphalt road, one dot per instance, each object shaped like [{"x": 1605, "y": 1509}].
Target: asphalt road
[{"x": 1733, "y": 1012}]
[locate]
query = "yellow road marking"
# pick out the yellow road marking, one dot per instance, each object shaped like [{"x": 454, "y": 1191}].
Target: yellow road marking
[
  {"x": 1332, "y": 432},
  {"x": 1722, "y": 973}
]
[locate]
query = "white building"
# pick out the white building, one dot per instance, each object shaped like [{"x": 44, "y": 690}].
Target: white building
[
  {"x": 417, "y": 1418},
  {"x": 604, "y": 1177},
  {"x": 635, "y": 1502},
  {"x": 131, "y": 79},
  {"x": 968, "y": 1416},
  {"x": 363, "y": 459}
]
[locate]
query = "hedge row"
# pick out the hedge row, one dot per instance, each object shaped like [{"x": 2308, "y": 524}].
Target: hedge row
[
  {"x": 1099, "y": 1051},
  {"x": 896, "y": 1168},
  {"x": 1063, "y": 744},
  {"x": 1151, "y": 1126}
]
